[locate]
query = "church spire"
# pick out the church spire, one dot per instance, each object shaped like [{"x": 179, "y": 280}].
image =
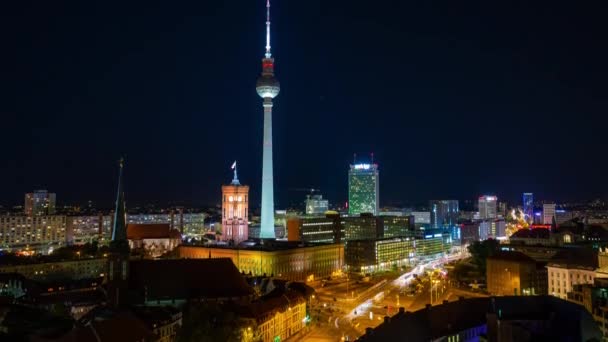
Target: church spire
[{"x": 119, "y": 230}]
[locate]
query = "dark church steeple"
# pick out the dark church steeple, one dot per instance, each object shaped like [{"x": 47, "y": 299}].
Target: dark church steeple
[
  {"x": 119, "y": 230},
  {"x": 118, "y": 258}
]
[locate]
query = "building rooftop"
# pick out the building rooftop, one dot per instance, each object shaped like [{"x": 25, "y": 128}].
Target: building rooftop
[
  {"x": 151, "y": 231},
  {"x": 266, "y": 245},
  {"x": 534, "y": 233},
  {"x": 585, "y": 258},
  {"x": 566, "y": 320},
  {"x": 511, "y": 256},
  {"x": 110, "y": 326},
  {"x": 186, "y": 278},
  {"x": 278, "y": 300}
]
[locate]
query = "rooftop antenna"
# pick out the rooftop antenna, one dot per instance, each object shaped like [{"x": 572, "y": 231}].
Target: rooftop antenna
[
  {"x": 354, "y": 158},
  {"x": 372, "y": 157},
  {"x": 268, "y": 29}
]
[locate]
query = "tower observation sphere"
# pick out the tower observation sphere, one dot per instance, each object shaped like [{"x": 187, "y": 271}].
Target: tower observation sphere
[{"x": 267, "y": 86}]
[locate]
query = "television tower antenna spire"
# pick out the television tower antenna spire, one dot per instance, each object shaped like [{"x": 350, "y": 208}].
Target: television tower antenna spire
[{"x": 268, "y": 55}]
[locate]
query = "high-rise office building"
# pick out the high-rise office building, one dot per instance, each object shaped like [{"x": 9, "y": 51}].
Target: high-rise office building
[
  {"x": 268, "y": 88},
  {"x": 363, "y": 189},
  {"x": 487, "y": 207},
  {"x": 502, "y": 209},
  {"x": 528, "y": 205},
  {"x": 444, "y": 213},
  {"x": 316, "y": 205},
  {"x": 235, "y": 210},
  {"x": 548, "y": 213},
  {"x": 39, "y": 202}
]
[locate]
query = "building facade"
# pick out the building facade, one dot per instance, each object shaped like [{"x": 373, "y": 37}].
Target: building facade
[
  {"x": 40, "y": 203},
  {"x": 372, "y": 255},
  {"x": 548, "y": 213},
  {"x": 563, "y": 277},
  {"x": 235, "y": 212},
  {"x": 594, "y": 297},
  {"x": 40, "y": 233},
  {"x": 363, "y": 189},
  {"x": 86, "y": 229},
  {"x": 363, "y": 227},
  {"x": 444, "y": 213},
  {"x": 492, "y": 229},
  {"x": 188, "y": 223},
  {"x": 421, "y": 217},
  {"x": 316, "y": 205},
  {"x": 487, "y": 207},
  {"x": 397, "y": 226},
  {"x": 153, "y": 239},
  {"x": 278, "y": 318},
  {"x": 74, "y": 269},
  {"x": 469, "y": 232},
  {"x": 515, "y": 274},
  {"x": 328, "y": 229},
  {"x": 286, "y": 261}
]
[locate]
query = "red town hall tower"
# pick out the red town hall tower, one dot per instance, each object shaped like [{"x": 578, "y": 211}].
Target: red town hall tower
[{"x": 235, "y": 211}]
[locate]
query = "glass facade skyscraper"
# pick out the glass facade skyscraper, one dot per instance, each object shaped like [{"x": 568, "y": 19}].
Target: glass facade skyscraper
[
  {"x": 487, "y": 207},
  {"x": 444, "y": 213},
  {"x": 528, "y": 207},
  {"x": 363, "y": 189}
]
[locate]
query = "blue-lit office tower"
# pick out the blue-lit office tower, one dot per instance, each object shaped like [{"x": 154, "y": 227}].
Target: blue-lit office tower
[
  {"x": 267, "y": 88},
  {"x": 363, "y": 189},
  {"x": 444, "y": 213},
  {"x": 528, "y": 207}
]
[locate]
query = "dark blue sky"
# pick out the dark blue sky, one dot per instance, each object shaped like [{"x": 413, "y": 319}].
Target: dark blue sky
[{"x": 454, "y": 98}]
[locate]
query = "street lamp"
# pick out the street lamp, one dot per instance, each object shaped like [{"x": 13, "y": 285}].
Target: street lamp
[{"x": 510, "y": 282}]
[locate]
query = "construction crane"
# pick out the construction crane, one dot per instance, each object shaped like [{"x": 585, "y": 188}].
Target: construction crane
[{"x": 311, "y": 191}]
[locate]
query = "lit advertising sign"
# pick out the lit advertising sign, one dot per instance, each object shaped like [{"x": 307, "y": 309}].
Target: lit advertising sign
[{"x": 362, "y": 167}]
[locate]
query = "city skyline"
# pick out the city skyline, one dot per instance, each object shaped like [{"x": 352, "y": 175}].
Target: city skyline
[{"x": 169, "y": 99}]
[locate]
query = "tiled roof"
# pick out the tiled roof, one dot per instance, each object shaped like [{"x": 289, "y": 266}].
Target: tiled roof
[
  {"x": 151, "y": 231},
  {"x": 276, "y": 301},
  {"x": 575, "y": 258},
  {"x": 568, "y": 321},
  {"x": 121, "y": 326},
  {"x": 187, "y": 278},
  {"x": 534, "y": 233},
  {"x": 511, "y": 256}
]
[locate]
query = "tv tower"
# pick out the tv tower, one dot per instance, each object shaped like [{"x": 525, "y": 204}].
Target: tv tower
[{"x": 268, "y": 88}]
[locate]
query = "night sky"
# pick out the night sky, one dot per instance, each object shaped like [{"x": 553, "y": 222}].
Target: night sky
[{"x": 454, "y": 98}]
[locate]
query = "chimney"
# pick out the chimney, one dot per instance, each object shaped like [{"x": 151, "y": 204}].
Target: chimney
[
  {"x": 445, "y": 301},
  {"x": 387, "y": 319},
  {"x": 401, "y": 310}
]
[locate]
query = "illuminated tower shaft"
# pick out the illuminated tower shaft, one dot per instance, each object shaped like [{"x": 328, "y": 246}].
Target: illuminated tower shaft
[
  {"x": 267, "y": 228},
  {"x": 267, "y": 88}
]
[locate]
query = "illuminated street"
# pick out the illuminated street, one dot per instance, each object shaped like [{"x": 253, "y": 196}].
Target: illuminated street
[{"x": 344, "y": 308}]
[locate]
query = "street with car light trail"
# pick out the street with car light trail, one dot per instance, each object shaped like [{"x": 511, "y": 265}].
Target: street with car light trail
[{"x": 342, "y": 308}]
